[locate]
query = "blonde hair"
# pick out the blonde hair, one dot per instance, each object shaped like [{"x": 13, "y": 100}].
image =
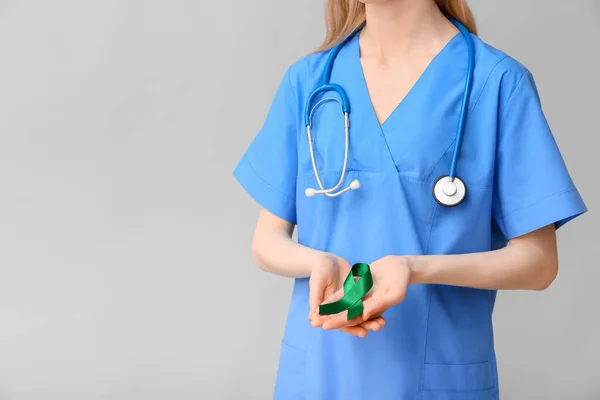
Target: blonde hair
[{"x": 344, "y": 16}]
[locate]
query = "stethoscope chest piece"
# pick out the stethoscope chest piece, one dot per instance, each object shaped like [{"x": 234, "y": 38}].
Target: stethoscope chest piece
[{"x": 449, "y": 192}]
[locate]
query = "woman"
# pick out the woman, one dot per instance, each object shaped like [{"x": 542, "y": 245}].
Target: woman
[{"x": 436, "y": 263}]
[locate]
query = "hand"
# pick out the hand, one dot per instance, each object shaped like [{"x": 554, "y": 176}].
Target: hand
[
  {"x": 328, "y": 278},
  {"x": 391, "y": 277}
]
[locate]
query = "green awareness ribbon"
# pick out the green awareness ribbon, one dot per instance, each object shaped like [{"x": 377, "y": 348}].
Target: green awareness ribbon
[{"x": 354, "y": 291}]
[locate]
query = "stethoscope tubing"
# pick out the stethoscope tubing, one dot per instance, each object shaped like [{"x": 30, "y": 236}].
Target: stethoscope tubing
[
  {"x": 325, "y": 86},
  {"x": 465, "y": 101},
  {"x": 322, "y": 190}
]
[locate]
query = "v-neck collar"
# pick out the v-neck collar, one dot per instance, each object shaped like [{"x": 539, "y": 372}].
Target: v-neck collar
[{"x": 355, "y": 55}]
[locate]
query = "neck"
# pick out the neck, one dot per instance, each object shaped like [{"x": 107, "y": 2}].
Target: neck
[{"x": 404, "y": 26}]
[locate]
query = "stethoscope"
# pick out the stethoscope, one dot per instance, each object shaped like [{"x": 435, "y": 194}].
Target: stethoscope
[{"x": 449, "y": 190}]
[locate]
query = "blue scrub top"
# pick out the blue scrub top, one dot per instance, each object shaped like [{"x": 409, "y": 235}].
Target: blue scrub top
[{"x": 438, "y": 343}]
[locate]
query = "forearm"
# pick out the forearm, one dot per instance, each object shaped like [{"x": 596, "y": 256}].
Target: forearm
[
  {"x": 517, "y": 266},
  {"x": 276, "y": 252}
]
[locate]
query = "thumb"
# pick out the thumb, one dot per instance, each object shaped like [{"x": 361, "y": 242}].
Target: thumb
[
  {"x": 318, "y": 318},
  {"x": 374, "y": 306},
  {"x": 314, "y": 301},
  {"x": 316, "y": 293},
  {"x": 335, "y": 296}
]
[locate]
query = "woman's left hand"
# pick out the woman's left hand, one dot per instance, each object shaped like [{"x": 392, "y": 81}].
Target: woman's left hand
[{"x": 391, "y": 277}]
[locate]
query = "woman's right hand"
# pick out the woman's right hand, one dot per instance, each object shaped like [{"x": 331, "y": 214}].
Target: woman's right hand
[{"x": 326, "y": 279}]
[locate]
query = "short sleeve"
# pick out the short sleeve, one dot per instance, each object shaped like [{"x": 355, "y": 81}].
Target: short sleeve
[
  {"x": 532, "y": 186},
  {"x": 268, "y": 169}
]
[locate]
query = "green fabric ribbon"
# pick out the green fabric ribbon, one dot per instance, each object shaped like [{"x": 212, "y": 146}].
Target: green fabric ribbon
[{"x": 354, "y": 291}]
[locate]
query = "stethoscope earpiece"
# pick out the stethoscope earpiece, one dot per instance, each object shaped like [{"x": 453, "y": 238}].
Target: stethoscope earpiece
[
  {"x": 355, "y": 184},
  {"x": 310, "y": 192}
]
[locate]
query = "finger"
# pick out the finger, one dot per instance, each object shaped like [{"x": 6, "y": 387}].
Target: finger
[
  {"x": 374, "y": 306},
  {"x": 334, "y": 321},
  {"x": 318, "y": 319},
  {"x": 378, "y": 319},
  {"x": 381, "y": 321},
  {"x": 372, "y": 325},
  {"x": 341, "y": 321},
  {"x": 355, "y": 331}
]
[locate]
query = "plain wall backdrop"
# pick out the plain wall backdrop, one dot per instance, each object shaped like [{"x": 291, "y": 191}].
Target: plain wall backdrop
[{"x": 125, "y": 268}]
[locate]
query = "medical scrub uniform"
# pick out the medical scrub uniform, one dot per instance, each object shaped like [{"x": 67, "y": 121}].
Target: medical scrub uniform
[{"x": 438, "y": 343}]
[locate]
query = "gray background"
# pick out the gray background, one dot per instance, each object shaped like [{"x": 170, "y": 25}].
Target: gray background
[{"x": 125, "y": 268}]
